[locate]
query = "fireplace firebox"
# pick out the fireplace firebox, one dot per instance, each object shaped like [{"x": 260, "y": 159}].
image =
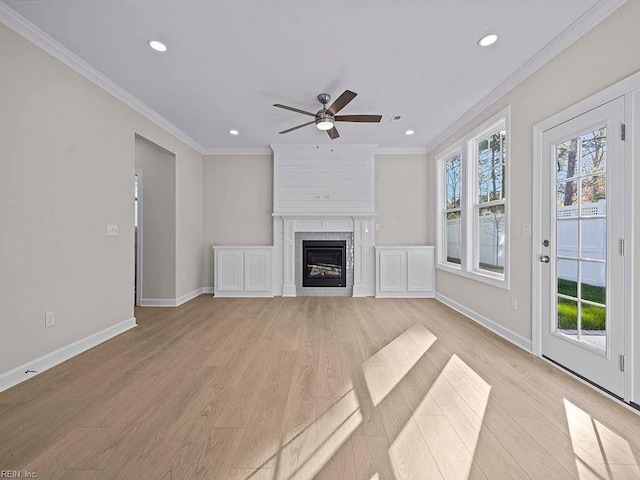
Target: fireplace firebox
[{"x": 324, "y": 263}]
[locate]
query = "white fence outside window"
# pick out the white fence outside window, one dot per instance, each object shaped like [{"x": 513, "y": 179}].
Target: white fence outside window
[{"x": 594, "y": 241}]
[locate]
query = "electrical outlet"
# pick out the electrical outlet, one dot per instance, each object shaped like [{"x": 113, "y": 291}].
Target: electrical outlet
[
  {"x": 525, "y": 229},
  {"x": 49, "y": 319},
  {"x": 514, "y": 303},
  {"x": 112, "y": 230},
  {"x": 377, "y": 226}
]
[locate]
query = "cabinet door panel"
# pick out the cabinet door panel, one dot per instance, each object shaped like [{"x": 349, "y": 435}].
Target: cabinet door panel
[
  {"x": 419, "y": 271},
  {"x": 230, "y": 270},
  {"x": 257, "y": 271},
  {"x": 392, "y": 271}
]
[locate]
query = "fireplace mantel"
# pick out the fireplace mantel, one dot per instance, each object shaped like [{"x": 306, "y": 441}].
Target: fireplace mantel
[{"x": 285, "y": 229}]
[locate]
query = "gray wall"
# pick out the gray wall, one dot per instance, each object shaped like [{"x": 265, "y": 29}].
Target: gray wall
[
  {"x": 67, "y": 151},
  {"x": 158, "y": 174},
  {"x": 238, "y": 202},
  {"x": 402, "y": 200}
]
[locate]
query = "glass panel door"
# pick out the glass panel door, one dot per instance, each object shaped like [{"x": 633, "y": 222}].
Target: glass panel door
[
  {"x": 581, "y": 225},
  {"x": 582, "y": 275}
]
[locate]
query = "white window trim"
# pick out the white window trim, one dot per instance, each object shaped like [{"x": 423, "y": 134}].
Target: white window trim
[
  {"x": 465, "y": 146},
  {"x": 441, "y": 205}
]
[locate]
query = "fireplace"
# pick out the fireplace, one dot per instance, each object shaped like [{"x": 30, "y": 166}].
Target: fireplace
[{"x": 324, "y": 263}]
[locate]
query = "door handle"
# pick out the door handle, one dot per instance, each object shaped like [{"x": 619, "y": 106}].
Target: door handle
[{"x": 544, "y": 258}]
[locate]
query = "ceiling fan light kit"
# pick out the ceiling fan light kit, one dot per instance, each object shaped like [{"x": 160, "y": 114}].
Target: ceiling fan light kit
[
  {"x": 325, "y": 118},
  {"x": 324, "y": 121}
]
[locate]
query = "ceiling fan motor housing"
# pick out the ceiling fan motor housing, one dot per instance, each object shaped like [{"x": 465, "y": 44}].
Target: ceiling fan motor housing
[{"x": 324, "y": 98}]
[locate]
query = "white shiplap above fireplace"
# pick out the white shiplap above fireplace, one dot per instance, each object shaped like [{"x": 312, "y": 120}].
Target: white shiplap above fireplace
[{"x": 320, "y": 179}]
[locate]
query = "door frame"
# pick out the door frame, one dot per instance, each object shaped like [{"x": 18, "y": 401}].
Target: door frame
[
  {"x": 138, "y": 246},
  {"x": 624, "y": 88}
]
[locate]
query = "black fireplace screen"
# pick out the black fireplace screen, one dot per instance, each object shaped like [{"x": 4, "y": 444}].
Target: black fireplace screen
[{"x": 324, "y": 263}]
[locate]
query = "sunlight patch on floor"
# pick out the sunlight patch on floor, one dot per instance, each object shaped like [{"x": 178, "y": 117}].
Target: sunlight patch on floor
[
  {"x": 305, "y": 455},
  {"x": 600, "y": 452},
  {"x": 401, "y": 354},
  {"x": 441, "y": 439}
]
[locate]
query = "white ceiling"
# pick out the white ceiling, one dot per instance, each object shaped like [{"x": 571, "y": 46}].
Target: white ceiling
[{"x": 228, "y": 62}]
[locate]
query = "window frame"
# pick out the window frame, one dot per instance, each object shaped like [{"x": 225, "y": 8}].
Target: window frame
[
  {"x": 470, "y": 206},
  {"x": 442, "y": 207}
]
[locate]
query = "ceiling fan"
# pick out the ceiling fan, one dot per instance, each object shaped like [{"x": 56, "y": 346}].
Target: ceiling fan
[{"x": 325, "y": 118}]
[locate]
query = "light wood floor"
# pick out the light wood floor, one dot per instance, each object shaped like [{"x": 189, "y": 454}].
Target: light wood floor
[{"x": 338, "y": 388}]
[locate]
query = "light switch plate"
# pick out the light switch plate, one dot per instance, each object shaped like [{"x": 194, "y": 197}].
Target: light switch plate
[
  {"x": 112, "y": 230},
  {"x": 525, "y": 229},
  {"x": 49, "y": 319}
]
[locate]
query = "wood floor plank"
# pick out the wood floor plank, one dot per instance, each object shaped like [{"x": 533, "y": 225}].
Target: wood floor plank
[
  {"x": 312, "y": 387},
  {"x": 411, "y": 455},
  {"x": 450, "y": 454}
]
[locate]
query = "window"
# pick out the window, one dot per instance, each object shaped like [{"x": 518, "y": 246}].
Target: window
[
  {"x": 473, "y": 223},
  {"x": 453, "y": 210},
  {"x": 489, "y": 209}
]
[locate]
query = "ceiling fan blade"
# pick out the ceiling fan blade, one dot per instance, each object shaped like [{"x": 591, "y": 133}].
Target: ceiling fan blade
[
  {"x": 342, "y": 101},
  {"x": 299, "y": 126},
  {"x": 297, "y": 110},
  {"x": 358, "y": 118},
  {"x": 333, "y": 133}
]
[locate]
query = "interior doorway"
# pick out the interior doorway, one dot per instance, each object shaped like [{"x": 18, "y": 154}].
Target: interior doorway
[
  {"x": 155, "y": 219},
  {"x": 137, "y": 225}
]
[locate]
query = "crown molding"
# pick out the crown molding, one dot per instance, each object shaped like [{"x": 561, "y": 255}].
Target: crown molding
[
  {"x": 38, "y": 37},
  {"x": 577, "y": 29},
  {"x": 402, "y": 150},
  {"x": 229, "y": 151},
  {"x": 341, "y": 146},
  {"x": 240, "y": 151}
]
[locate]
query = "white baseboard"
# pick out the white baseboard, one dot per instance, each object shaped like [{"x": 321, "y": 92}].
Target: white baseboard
[
  {"x": 188, "y": 296},
  {"x": 170, "y": 302},
  {"x": 207, "y": 290},
  {"x": 157, "y": 302},
  {"x": 516, "y": 339},
  {"x": 407, "y": 295},
  {"x": 244, "y": 294},
  {"x": 50, "y": 360}
]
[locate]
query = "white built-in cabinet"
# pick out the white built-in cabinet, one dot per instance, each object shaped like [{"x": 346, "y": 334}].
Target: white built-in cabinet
[
  {"x": 405, "y": 272},
  {"x": 243, "y": 271}
]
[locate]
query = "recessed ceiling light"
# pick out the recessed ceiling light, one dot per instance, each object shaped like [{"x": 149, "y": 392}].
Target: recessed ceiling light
[
  {"x": 234, "y": 132},
  {"x": 409, "y": 132},
  {"x": 157, "y": 46},
  {"x": 488, "y": 40}
]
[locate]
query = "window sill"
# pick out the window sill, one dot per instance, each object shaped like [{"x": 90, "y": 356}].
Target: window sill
[{"x": 488, "y": 279}]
